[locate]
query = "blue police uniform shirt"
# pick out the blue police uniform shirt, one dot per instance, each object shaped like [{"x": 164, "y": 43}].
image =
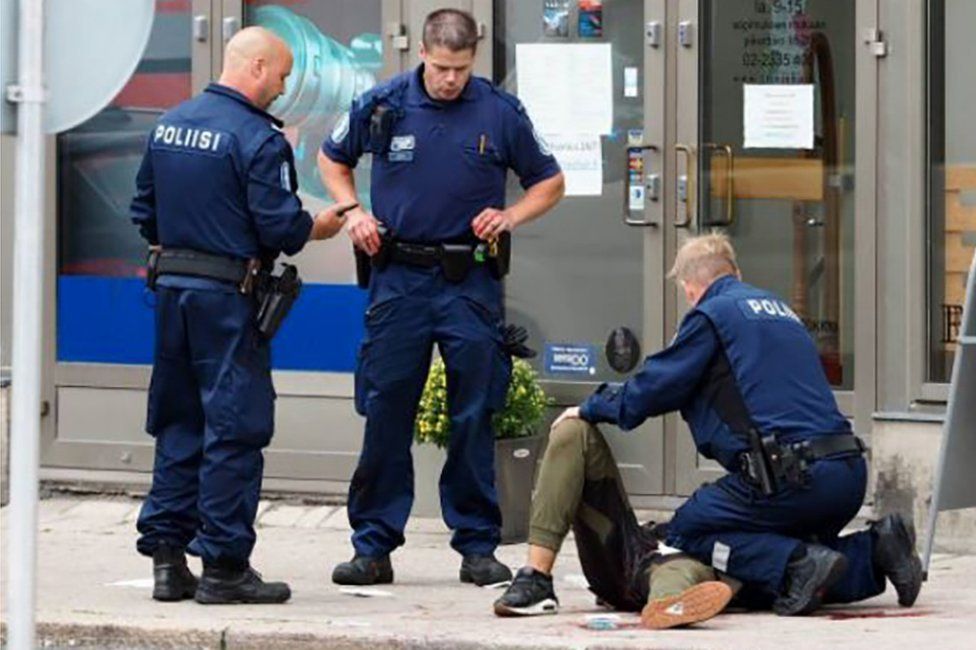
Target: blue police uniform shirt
[
  {"x": 741, "y": 358},
  {"x": 219, "y": 177},
  {"x": 446, "y": 161}
]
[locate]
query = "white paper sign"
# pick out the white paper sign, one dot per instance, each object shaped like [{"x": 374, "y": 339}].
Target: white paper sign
[
  {"x": 630, "y": 82},
  {"x": 581, "y": 159},
  {"x": 778, "y": 116},
  {"x": 566, "y": 88}
]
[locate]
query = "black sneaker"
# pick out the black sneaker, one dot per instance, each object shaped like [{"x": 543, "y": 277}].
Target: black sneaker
[
  {"x": 226, "y": 586},
  {"x": 484, "y": 570},
  {"x": 172, "y": 579},
  {"x": 894, "y": 555},
  {"x": 807, "y": 579},
  {"x": 530, "y": 594},
  {"x": 363, "y": 570}
]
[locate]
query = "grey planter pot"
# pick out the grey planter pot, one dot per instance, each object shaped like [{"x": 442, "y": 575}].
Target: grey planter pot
[{"x": 515, "y": 463}]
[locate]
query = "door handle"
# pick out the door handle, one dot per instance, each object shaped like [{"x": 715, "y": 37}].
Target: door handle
[
  {"x": 650, "y": 184},
  {"x": 201, "y": 28},
  {"x": 685, "y": 190},
  {"x": 729, "y": 184},
  {"x": 229, "y": 27}
]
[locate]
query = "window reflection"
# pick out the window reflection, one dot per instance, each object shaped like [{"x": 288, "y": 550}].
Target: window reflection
[
  {"x": 98, "y": 160},
  {"x": 952, "y": 177},
  {"x": 338, "y": 54}
]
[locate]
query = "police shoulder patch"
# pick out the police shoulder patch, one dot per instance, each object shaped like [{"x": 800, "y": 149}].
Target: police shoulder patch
[
  {"x": 544, "y": 147},
  {"x": 285, "y": 173},
  {"x": 341, "y": 129}
]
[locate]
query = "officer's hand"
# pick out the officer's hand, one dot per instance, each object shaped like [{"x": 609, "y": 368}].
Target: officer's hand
[
  {"x": 363, "y": 230},
  {"x": 328, "y": 222},
  {"x": 491, "y": 223},
  {"x": 572, "y": 412}
]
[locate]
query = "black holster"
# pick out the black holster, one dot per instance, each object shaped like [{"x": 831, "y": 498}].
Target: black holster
[
  {"x": 364, "y": 268},
  {"x": 366, "y": 263},
  {"x": 276, "y": 294},
  {"x": 771, "y": 466}
]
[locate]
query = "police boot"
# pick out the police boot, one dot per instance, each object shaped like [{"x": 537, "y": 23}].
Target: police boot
[
  {"x": 484, "y": 570},
  {"x": 894, "y": 555},
  {"x": 224, "y": 585},
  {"x": 363, "y": 570},
  {"x": 172, "y": 579},
  {"x": 808, "y": 577}
]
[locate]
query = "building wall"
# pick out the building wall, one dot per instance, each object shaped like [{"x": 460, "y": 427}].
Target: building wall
[{"x": 904, "y": 456}]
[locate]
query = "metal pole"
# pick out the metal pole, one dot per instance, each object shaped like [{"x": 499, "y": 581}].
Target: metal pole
[{"x": 25, "y": 411}]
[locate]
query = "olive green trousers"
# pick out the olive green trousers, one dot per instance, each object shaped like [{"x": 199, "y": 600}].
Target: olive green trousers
[{"x": 579, "y": 487}]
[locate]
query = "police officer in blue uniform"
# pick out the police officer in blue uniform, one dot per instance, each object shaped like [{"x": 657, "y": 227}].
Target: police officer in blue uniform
[
  {"x": 216, "y": 200},
  {"x": 746, "y": 377},
  {"x": 441, "y": 142}
]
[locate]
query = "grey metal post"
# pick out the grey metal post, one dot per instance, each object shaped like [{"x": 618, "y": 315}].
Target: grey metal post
[
  {"x": 952, "y": 486},
  {"x": 25, "y": 411}
]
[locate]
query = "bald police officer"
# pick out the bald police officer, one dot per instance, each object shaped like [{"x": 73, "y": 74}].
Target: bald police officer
[
  {"x": 746, "y": 377},
  {"x": 442, "y": 142},
  {"x": 216, "y": 192}
]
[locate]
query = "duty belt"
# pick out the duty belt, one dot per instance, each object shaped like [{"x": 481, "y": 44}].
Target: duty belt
[
  {"x": 423, "y": 255},
  {"x": 769, "y": 464},
  {"x": 455, "y": 259},
  {"x": 181, "y": 261}
]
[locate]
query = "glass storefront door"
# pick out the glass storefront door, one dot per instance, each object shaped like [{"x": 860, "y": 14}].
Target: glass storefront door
[
  {"x": 765, "y": 150},
  {"x": 585, "y": 278}
]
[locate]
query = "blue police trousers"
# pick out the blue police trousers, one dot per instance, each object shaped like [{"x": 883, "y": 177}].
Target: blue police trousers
[
  {"x": 410, "y": 310},
  {"x": 731, "y": 525},
  {"x": 211, "y": 410}
]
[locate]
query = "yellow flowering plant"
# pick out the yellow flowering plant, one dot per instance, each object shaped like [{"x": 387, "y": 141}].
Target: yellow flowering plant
[{"x": 525, "y": 406}]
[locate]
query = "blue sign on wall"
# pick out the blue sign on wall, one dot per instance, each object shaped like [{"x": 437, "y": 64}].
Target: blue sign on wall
[
  {"x": 110, "y": 320},
  {"x": 570, "y": 359}
]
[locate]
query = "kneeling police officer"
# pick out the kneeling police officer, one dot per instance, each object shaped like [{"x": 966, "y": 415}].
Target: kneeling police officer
[
  {"x": 216, "y": 200},
  {"x": 442, "y": 142},
  {"x": 745, "y": 375}
]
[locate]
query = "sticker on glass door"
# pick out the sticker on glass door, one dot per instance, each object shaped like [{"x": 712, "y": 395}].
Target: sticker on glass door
[{"x": 570, "y": 359}]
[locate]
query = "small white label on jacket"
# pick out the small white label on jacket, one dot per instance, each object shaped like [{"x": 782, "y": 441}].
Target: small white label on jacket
[{"x": 720, "y": 557}]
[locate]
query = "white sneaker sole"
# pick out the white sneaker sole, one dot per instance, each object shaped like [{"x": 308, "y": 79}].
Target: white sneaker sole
[{"x": 543, "y": 607}]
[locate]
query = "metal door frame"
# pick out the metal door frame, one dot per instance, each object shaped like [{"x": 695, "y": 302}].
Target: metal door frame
[
  {"x": 685, "y": 469},
  {"x": 568, "y": 393}
]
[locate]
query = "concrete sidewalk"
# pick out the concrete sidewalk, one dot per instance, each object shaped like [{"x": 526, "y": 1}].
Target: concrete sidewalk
[{"x": 93, "y": 590}]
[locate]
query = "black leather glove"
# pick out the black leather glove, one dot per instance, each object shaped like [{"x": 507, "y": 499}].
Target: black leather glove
[{"x": 514, "y": 342}]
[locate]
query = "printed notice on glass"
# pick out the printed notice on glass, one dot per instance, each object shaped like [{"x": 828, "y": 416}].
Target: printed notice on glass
[
  {"x": 778, "y": 116},
  {"x": 566, "y": 88},
  {"x": 581, "y": 159}
]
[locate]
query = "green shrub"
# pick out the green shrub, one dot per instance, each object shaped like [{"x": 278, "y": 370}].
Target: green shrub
[{"x": 525, "y": 406}]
